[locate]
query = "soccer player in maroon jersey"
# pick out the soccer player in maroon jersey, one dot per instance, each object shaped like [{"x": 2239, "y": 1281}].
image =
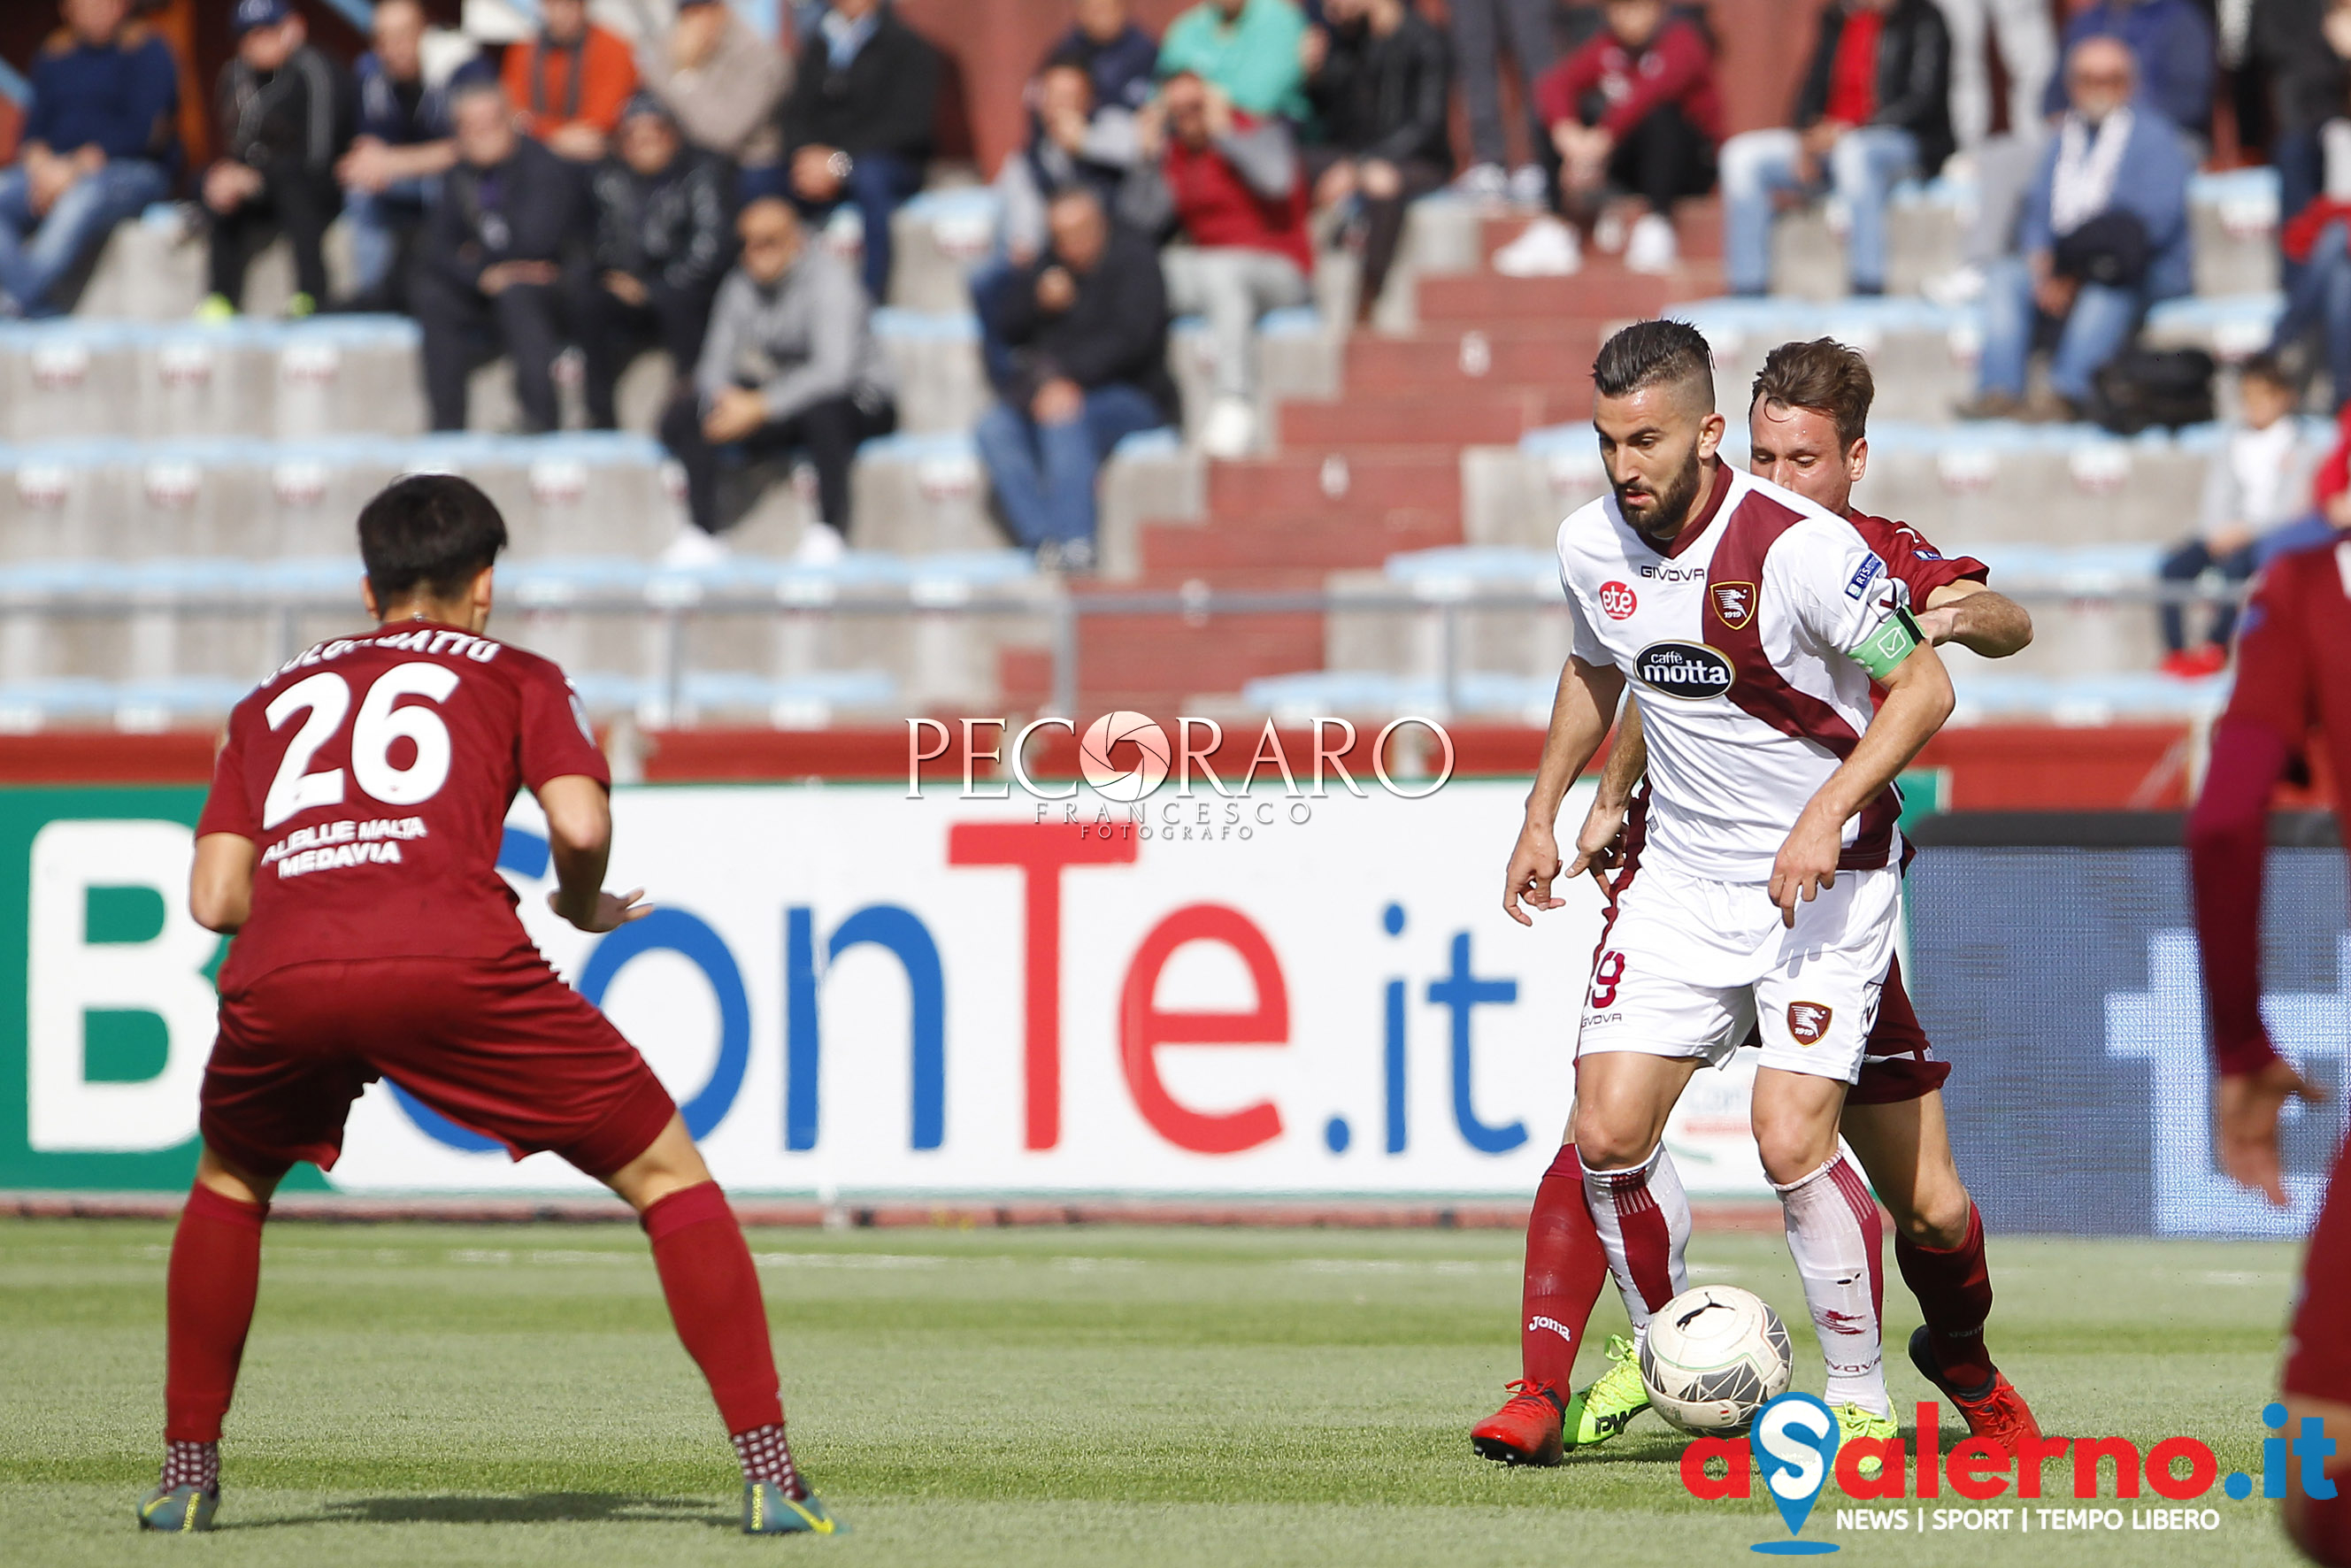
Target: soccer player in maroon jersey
[
  {"x": 2293, "y": 674},
  {"x": 350, "y": 842},
  {"x": 1807, "y": 424}
]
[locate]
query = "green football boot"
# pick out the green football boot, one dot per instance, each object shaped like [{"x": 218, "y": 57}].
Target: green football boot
[
  {"x": 179, "y": 1510},
  {"x": 1608, "y": 1406},
  {"x": 768, "y": 1511},
  {"x": 1853, "y": 1421}
]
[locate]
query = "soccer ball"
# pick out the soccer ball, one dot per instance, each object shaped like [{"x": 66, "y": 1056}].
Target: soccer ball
[{"x": 1713, "y": 1357}]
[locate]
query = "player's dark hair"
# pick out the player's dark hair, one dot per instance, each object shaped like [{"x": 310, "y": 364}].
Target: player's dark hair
[
  {"x": 429, "y": 531},
  {"x": 2265, "y": 367},
  {"x": 1654, "y": 353},
  {"x": 1825, "y": 376}
]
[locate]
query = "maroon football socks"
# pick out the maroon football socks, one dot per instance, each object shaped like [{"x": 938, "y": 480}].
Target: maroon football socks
[
  {"x": 1565, "y": 1268},
  {"x": 1954, "y": 1291},
  {"x": 215, "y": 1270},
  {"x": 713, "y": 1290}
]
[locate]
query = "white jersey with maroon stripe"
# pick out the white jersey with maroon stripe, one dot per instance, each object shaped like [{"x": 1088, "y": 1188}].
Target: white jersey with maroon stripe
[{"x": 1735, "y": 644}]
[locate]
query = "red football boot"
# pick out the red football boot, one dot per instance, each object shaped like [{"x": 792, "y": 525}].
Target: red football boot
[
  {"x": 1524, "y": 1431},
  {"x": 1999, "y": 1412}
]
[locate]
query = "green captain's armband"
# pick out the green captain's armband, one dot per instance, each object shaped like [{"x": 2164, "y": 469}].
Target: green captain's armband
[{"x": 1896, "y": 639}]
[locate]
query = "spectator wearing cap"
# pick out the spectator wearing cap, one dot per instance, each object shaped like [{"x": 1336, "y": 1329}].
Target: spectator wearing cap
[
  {"x": 404, "y": 146},
  {"x": 501, "y": 247},
  {"x": 664, "y": 236},
  {"x": 1229, "y": 185},
  {"x": 571, "y": 81},
  {"x": 723, "y": 83},
  {"x": 1253, "y": 51},
  {"x": 1120, "y": 56},
  {"x": 1875, "y": 106},
  {"x": 789, "y": 363},
  {"x": 1378, "y": 80},
  {"x": 285, "y": 114},
  {"x": 858, "y": 122},
  {"x": 2172, "y": 42},
  {"x": 2104, "y": 236},
  {"x": 97, "y": 147},
  {"x": 1634, "y": 109},
  {"x": 1087, "y": 325}
]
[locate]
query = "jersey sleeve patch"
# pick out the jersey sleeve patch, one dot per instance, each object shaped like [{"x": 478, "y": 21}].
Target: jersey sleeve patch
[{"x": 1869, "y": 570}]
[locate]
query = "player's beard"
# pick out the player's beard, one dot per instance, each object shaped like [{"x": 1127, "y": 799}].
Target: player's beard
[{"x": 1660, "y": 514}]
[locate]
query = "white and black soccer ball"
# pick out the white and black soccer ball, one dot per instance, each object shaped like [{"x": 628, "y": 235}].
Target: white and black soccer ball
[{"x": 1713, "y": 1357}]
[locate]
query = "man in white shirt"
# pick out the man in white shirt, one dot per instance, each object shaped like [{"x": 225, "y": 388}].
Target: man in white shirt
[{"x": 1763, "y": 889}]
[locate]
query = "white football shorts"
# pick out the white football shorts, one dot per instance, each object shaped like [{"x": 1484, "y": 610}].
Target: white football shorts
[{"x": 1691, "y": 966}]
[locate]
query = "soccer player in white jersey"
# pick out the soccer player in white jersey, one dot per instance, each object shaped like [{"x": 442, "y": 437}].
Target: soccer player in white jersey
[{"x": 1749, "y": 623}]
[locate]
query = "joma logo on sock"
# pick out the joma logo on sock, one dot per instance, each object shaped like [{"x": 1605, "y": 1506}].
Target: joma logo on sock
[{"x": 1555, "y": 1326}]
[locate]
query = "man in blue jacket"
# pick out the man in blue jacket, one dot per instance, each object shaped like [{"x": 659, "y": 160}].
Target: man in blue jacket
[
  {"x": 2172, "y": 42},
  {"x": 99, "y": 146},
  {"x": 2104, "y": 236}
]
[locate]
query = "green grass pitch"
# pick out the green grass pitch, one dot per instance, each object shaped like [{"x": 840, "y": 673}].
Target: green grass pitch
[{"x": 427, "y": 1394}]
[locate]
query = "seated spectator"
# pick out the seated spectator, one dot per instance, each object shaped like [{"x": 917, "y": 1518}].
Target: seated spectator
[
  {"x": 97, "y": 147},
  {"x": 498, "y": 257},
  {"x": 789, "y": 362},
  {"x": 1072, "y": 140},
  {"x": 1087, "y": 323},
  {"x": 664, "y": 236},
  {"x": 285, "y": 113},
  {"x": 2299, "y": 48},
  {"x": 571, "y": 81},
  {"x": 2256, "y": 484},
  {"x": 404, "y": 147},
  {"x": 1875, "y": 107},
  {"x": 723, "y": 83},
  {"x": 1477, "y": 26},
  {"x": 857, "y": 125},
  {"x": 2103, "y": 235},
  {"x": 1633, "y": 110},
  {"x": 2172, "y": 43},
  {"x": 1229, "y": 184},
  {"x": 1119, "y": 56},
  {"x": 1250, "y": 51},
  {"x": 1378, "y": 80}
]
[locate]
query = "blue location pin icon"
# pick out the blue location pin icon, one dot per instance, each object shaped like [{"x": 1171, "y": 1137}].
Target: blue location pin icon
[{"x": 1796, "y": 1442}]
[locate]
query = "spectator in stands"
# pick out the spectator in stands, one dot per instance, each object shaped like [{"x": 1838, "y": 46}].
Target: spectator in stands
[
  {"x": 858, "y": 123},
  {"x": 285, "y": 114},
  {"x": 2318, "y": 291},
  {"x": 405, "y": 144},
  {"x": 1875, "y": 106},
  {"x": 2257, "y": 482},
  {"x": 1119, "y": 56},
  {"x": 1250, "y": 51},
  {"x": 664, "y": 236},
  {"x": 1229, "y": 184},
  {"x": 1072, "y": 140},
  {"x": 1478, "y": 28},
  {"x": 1087, "y": 322},
  {"x": 2103, "y": 235},
  {"x": 2028, "y": 53},
  {"x": 571, "y": 81},
  {"x": 98, "y": 146},
  {"x": 498, "y": 255},
  {"x": 789, "y": 362},
  {"x": 2301, "y": 47},
  {"x": 2172, "y": 43},
  {"x": 1634, "y": 109},
  {"x": 723, "y": 84},
  {"x": 1378, "y": 80}
]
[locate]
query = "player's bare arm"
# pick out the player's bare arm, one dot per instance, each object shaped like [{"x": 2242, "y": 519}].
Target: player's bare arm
[
  {"x": 1978, "y": 618},
  {"x": 1580, "y": 714},
  {"x": 2246, "y": 1110},
  {"x": 1596, "y": 845},
  {"x": 1919, "y": 698},
  {"x": 580, "y": 841},
  {"x": 220, "y": 883}
]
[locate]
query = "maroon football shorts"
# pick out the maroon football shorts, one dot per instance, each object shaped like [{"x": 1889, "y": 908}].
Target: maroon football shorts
[
  {"x": 1897, "y": 1064},
  {"x": 2318, "y": 1352},
  {"x": 501, "y": 1046}
]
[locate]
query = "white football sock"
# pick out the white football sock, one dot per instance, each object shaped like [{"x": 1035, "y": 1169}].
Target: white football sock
[
  {"x": 1644, "y": 1218},
  {"x": 1836, "y": 1237}
]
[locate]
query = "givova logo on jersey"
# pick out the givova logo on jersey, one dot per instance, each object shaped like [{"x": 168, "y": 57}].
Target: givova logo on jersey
[{"x": 1684, "y": 669}]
